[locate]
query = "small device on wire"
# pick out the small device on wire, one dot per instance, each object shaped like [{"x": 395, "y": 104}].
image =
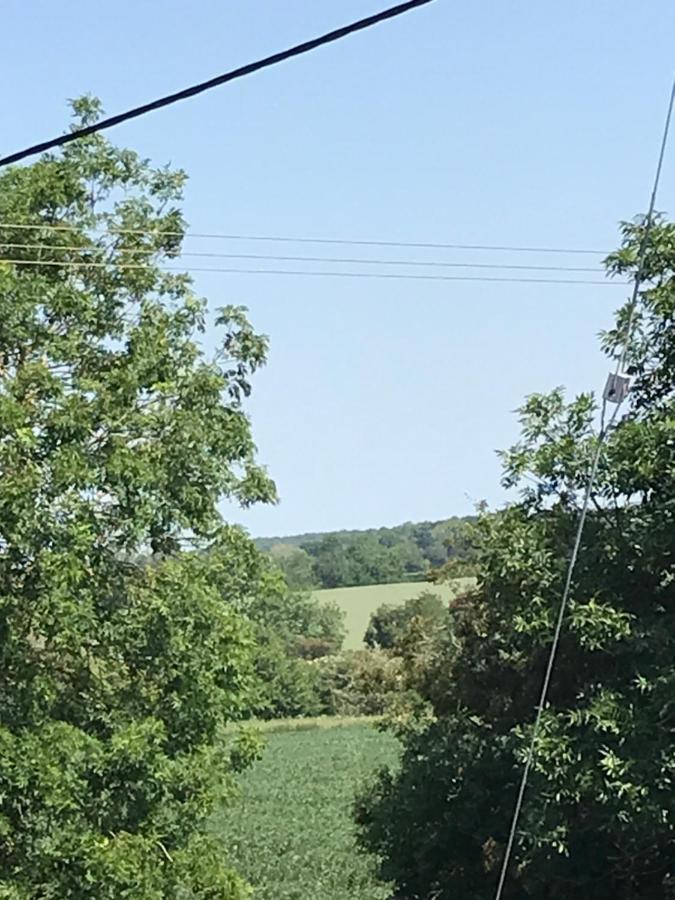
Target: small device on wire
[{"x": 616, "y": 388}]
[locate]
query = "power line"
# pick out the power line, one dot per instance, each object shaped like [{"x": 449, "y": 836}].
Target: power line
[
  {"x": 313, "y": 259},
  {"x": 422, "y": 245},
  {"x": 605, "y": 428},
  {"x": 356, "y": 242},
  {"x": 240, "y": 72},
  {"x": 72, "y": 264}
]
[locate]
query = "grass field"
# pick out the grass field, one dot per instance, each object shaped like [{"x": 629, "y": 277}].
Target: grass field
[
  {"x": 359, "y": 602},
  {"x": 291, "y": 832}
]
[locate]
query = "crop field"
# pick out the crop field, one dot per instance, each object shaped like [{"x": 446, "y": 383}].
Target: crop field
[
  {"x": 359, "y": 602},
  {"x": 291, "y": 833}
]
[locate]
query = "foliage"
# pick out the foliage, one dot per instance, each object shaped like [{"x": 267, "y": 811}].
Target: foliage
[
  {"x": 325, "y": 630},
  {"x": 295, "y": 617},
  {"x": 296, "y": 564},
  {"x": 291, "y": 832},
  {"x": 117, "y": 434},
  {"x": 363, "y": 561},
  {"x": 599, "y": 813},
  {"x": 285, "y": 686},
  {"x": 359, "y": 682},
  {"x": 389, "y": 623},
  {"x": 376, "y": 556},
  {"x": 310, "y": 723},
  {"x": 289, "y": 629},
  {"x": 300, "y": 671},
  {"x": 359, "y": 603}
]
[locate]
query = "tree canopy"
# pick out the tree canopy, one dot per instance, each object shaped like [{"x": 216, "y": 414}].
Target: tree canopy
[
  {"x": 118, "y": 435},
  {"x": 390, "y": 621},
  {"x": 408, "y": 552},
  {"x": 599, "y": 813}
]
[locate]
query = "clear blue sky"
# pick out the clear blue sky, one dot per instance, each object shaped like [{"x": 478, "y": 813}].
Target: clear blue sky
[{"x": 467, "y": 122}]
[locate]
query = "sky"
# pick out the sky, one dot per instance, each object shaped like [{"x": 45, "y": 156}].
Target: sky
[{"x": 518, "y": 124}]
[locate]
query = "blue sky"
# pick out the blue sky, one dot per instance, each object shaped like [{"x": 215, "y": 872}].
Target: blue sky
[{"x": 491, "y": 123}]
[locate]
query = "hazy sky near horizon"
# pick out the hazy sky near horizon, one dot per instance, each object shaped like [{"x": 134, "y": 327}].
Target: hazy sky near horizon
[{"x": 521, "y": 124}]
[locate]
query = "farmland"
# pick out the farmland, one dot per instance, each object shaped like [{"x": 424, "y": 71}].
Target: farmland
[
  {"x": 290, "y": 833},
  {"x": 359, "y": 602}
]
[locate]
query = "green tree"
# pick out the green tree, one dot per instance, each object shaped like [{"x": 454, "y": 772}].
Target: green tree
[
  {"x": 374, "y": 556},
  {"x": 117, "y": 435},
  {"x": 359, "y": 682},
  {"x": 599, "y": 814},
  {"x": 430, "y": 543},
  {"x": 411, "y": 558},
  {"x": 329, "y": 563},
  {"x": 286, "y": 686},
  {"x": 296, "y": 564},
  {"x": 354, "y": 560},
  {"x": 324, "y": 630},
  {"x": 294, "y": 616},
  {"x": 371, "y": 563},
  {"x": 390, "y": 621},
  {"x": 289, "y": 627}
]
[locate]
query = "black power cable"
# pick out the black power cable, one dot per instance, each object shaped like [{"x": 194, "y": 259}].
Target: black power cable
[{"x": 264, "y": 63}]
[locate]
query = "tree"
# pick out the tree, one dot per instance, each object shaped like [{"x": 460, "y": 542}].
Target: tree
[
  {"x": 362, "y": 682},
  {"x": 286, "y": 686},
  {"x": 430, "y": 543},
  {"x": 324, "y": 630},
  {"x": 296, "y": 564},
  {"x": 329, "y": 564},
  {"x": 374, "y": 556},
  {"x": 371, "y": 563},
  {"x": 117, "y": 435},
  {"x": 294, "y": 616},
  {"x": 599, "y": 813},
  {"x": 354, "y": 560},
  {"x": 289, "y": 628},
  {"x": 410, "y": 558},
  {"x": 390, "y": 621}
]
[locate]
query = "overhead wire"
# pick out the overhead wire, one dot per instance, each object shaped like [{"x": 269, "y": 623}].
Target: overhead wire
[
  {"x": 136, "y": 251},
  {"x": 296, "y": 51},
  {"x": 76, "y": 265},
  {"x": 356, "y": 242},
  {"x": 605, "y": 428},
  {"x": 232, "y": 75}
]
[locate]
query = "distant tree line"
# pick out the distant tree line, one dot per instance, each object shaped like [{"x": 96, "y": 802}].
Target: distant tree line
[{"x": 406, "y": 552}]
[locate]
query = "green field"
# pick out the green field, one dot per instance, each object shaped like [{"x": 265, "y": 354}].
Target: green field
[
  {"x": 291, "y": 833},
  {"x": 359, "y": 602}
]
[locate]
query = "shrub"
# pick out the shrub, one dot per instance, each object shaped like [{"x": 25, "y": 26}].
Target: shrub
[
  {"x": 285, "y": 686},
  {"x": 389, "y": 623},
  {"x": 359, "y": 682}
]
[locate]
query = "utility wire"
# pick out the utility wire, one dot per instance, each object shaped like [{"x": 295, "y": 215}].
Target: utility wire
[
  {"x": 240, "y": 72},
  {"x": 310, "y": 259},
  {"x": 425, "y": 245},
  {"x": 72, "y": 264},
  {"x": 605, "y": 428}
]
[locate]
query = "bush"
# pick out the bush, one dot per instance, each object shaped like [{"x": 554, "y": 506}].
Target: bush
[
  {"x": 285, "y": 686},
  {"x": 313, "y": 647},
  {"x": 298, "y": 619},
  {"x": 359, "y": 682},
  {"x": 290, "y": 630},
  {"x": 389, "y": 623}
]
